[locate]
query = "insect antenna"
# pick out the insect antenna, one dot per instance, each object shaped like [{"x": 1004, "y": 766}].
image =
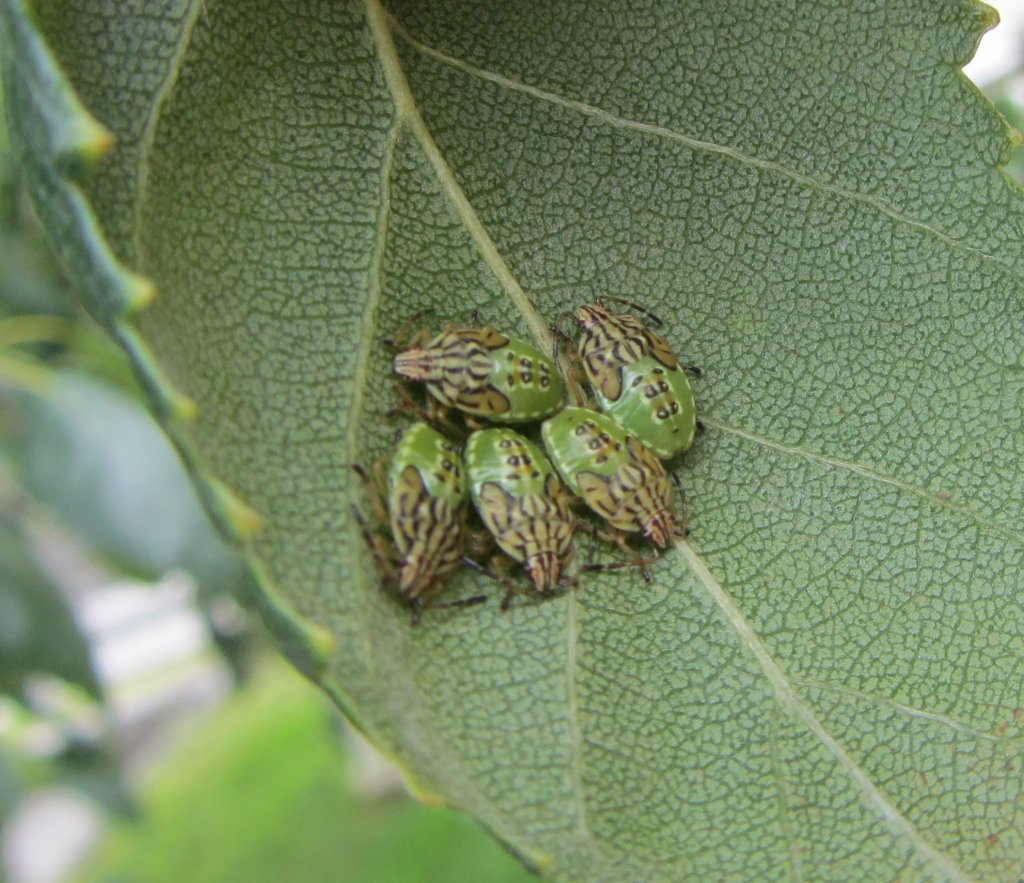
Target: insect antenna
[
  {"x": 399, "y": 341},
  {"x": 650, "y": 315},
  {"x": 460, "y": 602}
]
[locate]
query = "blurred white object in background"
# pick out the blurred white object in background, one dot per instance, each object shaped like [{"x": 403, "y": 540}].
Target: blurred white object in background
[
  {"x": 160, "y": 674},
  {"x": 1002, "y": 49},
  {"x": 49, "y": 835},
  {"x": 155, "y": 658}
]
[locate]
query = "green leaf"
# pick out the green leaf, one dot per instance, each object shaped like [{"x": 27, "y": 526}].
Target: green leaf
[
  {"x": 38, "y": 632},
  {"x": 825, "y": 681},
  {"x": 29, "y": 281},
  {"x": 93, "y": 456}
]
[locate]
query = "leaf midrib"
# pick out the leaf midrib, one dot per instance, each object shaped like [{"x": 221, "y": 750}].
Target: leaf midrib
[{"x": 408, "y": 112}]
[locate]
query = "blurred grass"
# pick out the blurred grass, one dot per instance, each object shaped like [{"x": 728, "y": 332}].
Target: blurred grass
[{"x": 260, "y": 793}]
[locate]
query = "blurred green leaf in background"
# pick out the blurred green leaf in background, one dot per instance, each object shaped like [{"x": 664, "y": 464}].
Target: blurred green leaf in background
[
  {"x": 261, "y": 794},
  {"x": 38, "y": 632}
]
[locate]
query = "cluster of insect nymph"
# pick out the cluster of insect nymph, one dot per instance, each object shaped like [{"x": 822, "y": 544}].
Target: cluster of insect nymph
[{"x": 526, "y": 498}]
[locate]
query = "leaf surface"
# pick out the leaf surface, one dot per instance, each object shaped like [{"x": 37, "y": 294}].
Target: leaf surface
[
  {"x": 825, "y": 682},
  {"x": 38, "y": 631}
]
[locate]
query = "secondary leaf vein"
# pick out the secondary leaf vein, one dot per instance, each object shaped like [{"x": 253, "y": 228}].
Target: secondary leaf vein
[
  {"x": 790, "y": 700},
  {"x": 1001, "y": 529},
  {"x": 576, "y": 731},
  {"x": 968, "y": 729},
  {"x": 405, "y": 107},
  {"x": 374, "y": 289},
  {"x": 804, "y": 180}
]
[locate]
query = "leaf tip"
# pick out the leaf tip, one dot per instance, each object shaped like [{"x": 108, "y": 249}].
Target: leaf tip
[
  {"x": 988, "y": 17},
  {"x": 540, "y": 862},
  {"x": 322, "y": 640},
  {"x": 417, "y": 790},
  {"x": 183, "y": 407},
  {"x": 94, "y": 140},
  {"x": 140, "y": 293},
  {"x": 303, "y": 643},
  {"x": 245, "y": 521}
]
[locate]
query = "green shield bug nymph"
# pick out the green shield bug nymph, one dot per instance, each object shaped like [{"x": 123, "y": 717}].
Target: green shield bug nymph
[
  {"x": 484, "y": 373},
  {"x": 522, "y": 503},
  {"x": 612, "y": 340},
  {"x": 637, "y": 378},
  {"x": 426, "y": 510},
  {"x": 613, "y": 472},
  {"x": 656, "y": 404}
]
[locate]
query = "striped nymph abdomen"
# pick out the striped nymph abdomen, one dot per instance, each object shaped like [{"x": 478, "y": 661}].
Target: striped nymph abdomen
[
  {"x": 613, "y": 472},
  {"x": 485, "y": 373},
  {"x": 611, "y": 341},
  {"x": 427, "y": 510},
  {"x": 522, "y": 503}
]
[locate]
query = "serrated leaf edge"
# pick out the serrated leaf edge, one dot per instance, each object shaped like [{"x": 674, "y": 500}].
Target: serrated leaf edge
[{"x": 79, "y": 144}]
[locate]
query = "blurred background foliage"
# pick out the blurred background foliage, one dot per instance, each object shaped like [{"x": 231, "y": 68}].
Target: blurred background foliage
[
  {"x": 247, "y": 779},
  {"x": 251, "y": 778},
  {"x": 1008, "y": 95}
]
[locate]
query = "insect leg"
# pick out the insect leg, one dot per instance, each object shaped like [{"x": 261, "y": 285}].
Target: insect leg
[
  {"x": 617, "y": 538},
  {"x": 569, "y": 362},
  {"x": 636, "y": 559},
  {"x": 460, "y": 602},
  {"x": 498, "y": 573},
  {"x": 683, "y": 524},
  {"x": 426, "y": 601},
  {"x": 435, "y": 414},
  {"x": 379, "y": 548},
  {"x": 373, "y": 492},
  {"x": 407, "y": 403},
  {"x": 557, "y": 329},
  {"x": 402, "y": 339},
  {"x": 600, "y": 566},
  {"x": 591, "y": 529}
]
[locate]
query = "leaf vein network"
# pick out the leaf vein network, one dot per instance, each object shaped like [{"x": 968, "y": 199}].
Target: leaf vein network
[
  {"x": 793, "y": 704},
  {"x": 382, "y": 26},
  {"x": 1003, "y": 530},
  {"x": 807, "y": 181}
]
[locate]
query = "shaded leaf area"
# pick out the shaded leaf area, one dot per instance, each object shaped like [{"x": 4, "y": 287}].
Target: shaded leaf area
[
  {"x": 826, "y": 681},
  {"x": 93, "y": 457},
  {"x": 38, "y": 632}
]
